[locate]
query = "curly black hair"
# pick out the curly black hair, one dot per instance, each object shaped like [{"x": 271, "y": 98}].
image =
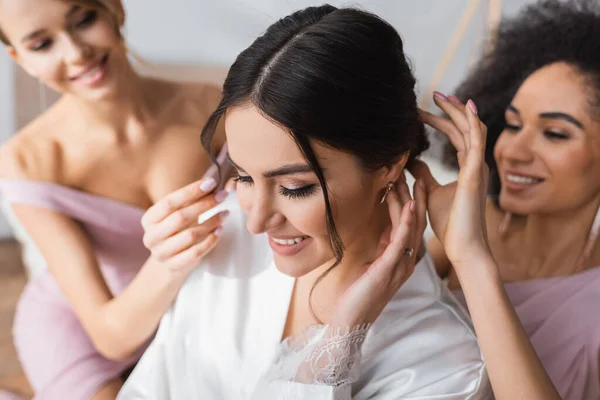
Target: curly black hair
[{"x": 543, "y": 33}]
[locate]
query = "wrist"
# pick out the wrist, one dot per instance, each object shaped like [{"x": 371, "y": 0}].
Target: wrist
[
  {"x": 163, "y": 273},
  {"x": 477, "y": 266}
]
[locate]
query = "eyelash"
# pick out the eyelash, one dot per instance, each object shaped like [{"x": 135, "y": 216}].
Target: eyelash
[
  {"x": 300, "y": 193},
  {"x": 549, "y": 134},
  {"x": 88, "y": 19}
]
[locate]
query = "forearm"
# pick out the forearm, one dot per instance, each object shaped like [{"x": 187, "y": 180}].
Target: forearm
[
  {"x": 514, "y": 368},
  {"x": 132, "y": 317}
]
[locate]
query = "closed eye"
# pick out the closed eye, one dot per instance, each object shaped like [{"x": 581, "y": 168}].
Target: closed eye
[
  {"x": 555, "y": 135},
  {"x": 512, "y": 128},
  {"x": 245, "y": 180},
  {"x": 41, "y": 45},
  {"x": 88, "y": 19},
  {"x": 299, "y": 193}
]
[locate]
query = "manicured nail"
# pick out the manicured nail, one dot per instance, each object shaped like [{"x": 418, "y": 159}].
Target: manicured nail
[
  {"x": 439, "y": 95},
  {"x": 221, "y": 196},
  {"x": 224, "y": 214},
  {"x": 472, "y": 106},
  {"x": 455, "y": 99},
  {"x": 219, "y": 231},
  {"x": 208, "y": 185},
  {"x": 412, "y": 205}
]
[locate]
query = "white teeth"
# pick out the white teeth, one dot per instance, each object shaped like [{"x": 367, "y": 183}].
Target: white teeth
[
  {"x": 91, "y": 73},
  {"x": 288, "y": 242},
  {"x": 522, "y": 179}
]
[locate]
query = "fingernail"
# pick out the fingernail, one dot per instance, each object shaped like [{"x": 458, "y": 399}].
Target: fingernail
[
  {"x": 472, "y": 106},
  {"x": 439, "y": 95},
  {"x": 224, "y": 214},
  {"x": 208, "y": 185},
  {"x": 422, "y": 184},
  {"x": 219, "y": 231},
  {"x": 412, "y": 205},
  {"x": 221, "y": 196},
  {"x": 455, "y": 99}
]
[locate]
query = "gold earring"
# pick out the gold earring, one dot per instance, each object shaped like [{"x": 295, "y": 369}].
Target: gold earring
[{"x": 388, "y": 188}]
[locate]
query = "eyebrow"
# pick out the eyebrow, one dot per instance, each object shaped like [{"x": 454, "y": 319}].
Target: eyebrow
[
  {"x": 552, "y": 115},
  {"x": 39, "y": 32},
  {"x": 288, "y": 169}
]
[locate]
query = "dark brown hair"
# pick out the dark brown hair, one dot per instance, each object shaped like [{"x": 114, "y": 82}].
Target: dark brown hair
[{"x": 333, "y": 76}]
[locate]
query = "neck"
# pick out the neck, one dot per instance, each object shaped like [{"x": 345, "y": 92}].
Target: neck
[
  {"x": 553, "y": 243},
  {"x": 357, "y": 258}
]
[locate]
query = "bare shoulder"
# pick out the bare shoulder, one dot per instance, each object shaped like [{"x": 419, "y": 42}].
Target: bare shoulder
[
  {"x": 202, "y": 99},
  {"x": 33, "y": 153},
  {"x": 204, "y": 96}
]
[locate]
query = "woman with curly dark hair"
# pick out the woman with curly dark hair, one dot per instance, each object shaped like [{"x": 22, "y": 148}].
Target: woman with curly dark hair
[{"x": 538, "y": 91}]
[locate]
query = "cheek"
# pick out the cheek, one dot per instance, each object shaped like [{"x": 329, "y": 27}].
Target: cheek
[
  {"x": 354, "y": 211},
  {"x": 574, "y": 172},
  {"x": 101, "y": 35},
  {"x": 244, "y": 198},
  {"x": 46, "y": 67},
  {"x": 306, "y": 215},
  {"x": 568, "y": 162},
  {"x": 499, "y": 146}
]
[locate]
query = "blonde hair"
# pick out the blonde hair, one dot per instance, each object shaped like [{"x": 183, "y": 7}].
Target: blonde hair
[{"x": 115, "y": 14}]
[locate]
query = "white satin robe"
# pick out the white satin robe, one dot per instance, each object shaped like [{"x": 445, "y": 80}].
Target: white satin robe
[{"x": 223, "y": 333}]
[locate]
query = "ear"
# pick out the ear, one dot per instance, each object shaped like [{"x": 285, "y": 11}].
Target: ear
[
  {"x": 393, "y": 172},
  {"x": 12, "y": 53},
  {"x": 15, "y": 56}
]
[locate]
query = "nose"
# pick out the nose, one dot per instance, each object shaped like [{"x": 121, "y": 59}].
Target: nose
[
  {"x": 519, "y": 147},
  {"x": 262, "y": 215},
  {"x": 76, "y": 51}
]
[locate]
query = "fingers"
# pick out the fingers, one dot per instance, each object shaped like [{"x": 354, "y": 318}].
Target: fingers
[
  {"x": 403, "y": 190},
  {"x": 477, "y": 128},
  {"x": 475, "y": 132},
  {"x": 187, "y": 238},
  {"x": 178, "y": 199},
  {"x": 400, "y": 240},
  {"x": 180, "y": 220},
  {"x": 455, "y": 110},
  {"x": 395, "y": 206},
  {"x": 421, "y": 212},
  {"x": 447, "y": 127},
  {"x": 194, "y": 254},
  {"x": 421, "y": 172}
]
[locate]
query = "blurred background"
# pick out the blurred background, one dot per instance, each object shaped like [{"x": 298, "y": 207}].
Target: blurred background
[{"x": 199, "y": 39}]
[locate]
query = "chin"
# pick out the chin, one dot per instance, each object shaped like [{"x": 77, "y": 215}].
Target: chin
[
  {"x": 293, "y": 266},
  {"x": 518, "y": 206}
]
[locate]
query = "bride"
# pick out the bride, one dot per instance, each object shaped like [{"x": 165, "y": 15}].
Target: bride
[{"x": 313, "y": 292}]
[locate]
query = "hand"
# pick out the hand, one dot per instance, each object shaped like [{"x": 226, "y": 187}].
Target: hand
[
  {"x": 172, "y": 233},
  {"x": 458, "y": 219},
  {"x": 364, "y": 300}
]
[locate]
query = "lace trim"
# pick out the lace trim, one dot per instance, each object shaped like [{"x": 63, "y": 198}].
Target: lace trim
[{"x": 320, "y": 355}]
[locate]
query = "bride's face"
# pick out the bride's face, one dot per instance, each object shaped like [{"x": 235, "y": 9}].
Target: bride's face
[{"x": 282, "y": 197}]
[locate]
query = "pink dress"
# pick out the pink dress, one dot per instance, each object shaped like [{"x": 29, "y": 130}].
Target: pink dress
[
  {"x": 57, "y": 355},
  {"x": 562, "y": 318}
]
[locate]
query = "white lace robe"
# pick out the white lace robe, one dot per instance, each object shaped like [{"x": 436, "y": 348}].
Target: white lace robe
[{"x": 221, "y": 339}]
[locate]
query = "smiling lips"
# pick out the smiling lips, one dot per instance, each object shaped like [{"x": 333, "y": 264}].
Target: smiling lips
[
  {"x": 93, "y": 74},
  {"x": 520, "y": 182}
]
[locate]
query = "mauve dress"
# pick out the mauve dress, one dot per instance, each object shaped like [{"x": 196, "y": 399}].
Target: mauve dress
[
  {"x": 562, "y": 318},
  {"x": 57, "y": 355}
]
